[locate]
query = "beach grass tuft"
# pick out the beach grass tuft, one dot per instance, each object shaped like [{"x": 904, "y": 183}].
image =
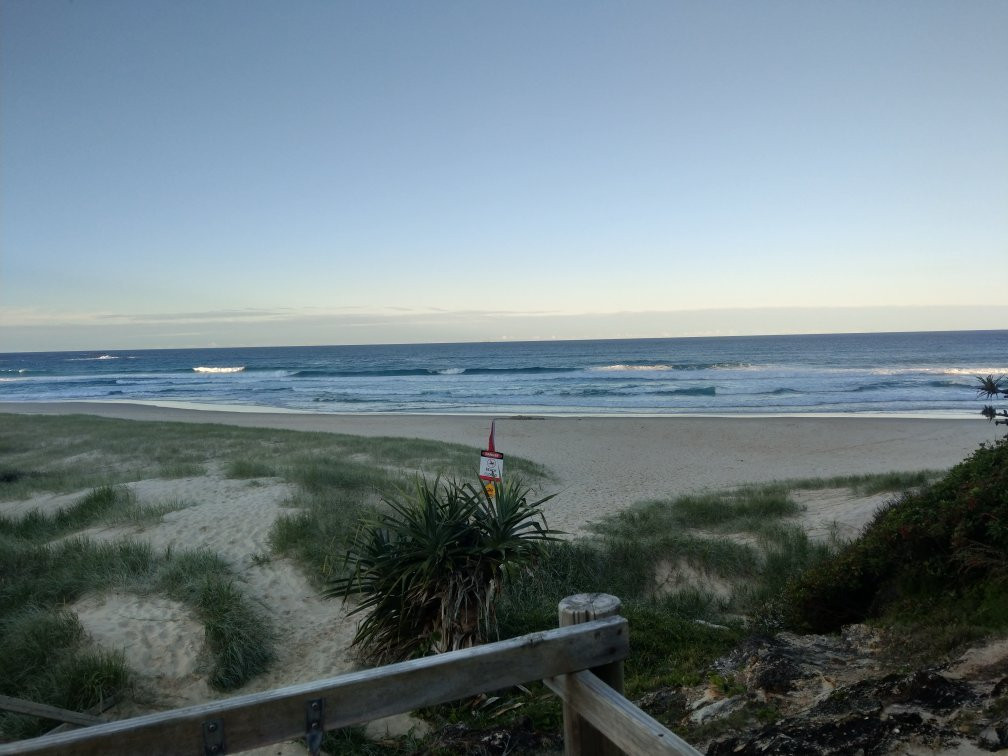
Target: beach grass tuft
[
  {"x": 239, "y": 637},
  {"x": 869, "y": 484},
  {"x": 105, "y": 505},
  {"x": 52, "y": 576},
  {"x": 318, "y": 536},
  {"x": 334, "y": 475},
  {"x": 45, "y": 657}
]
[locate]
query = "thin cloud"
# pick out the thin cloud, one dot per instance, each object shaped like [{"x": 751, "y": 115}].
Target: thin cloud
[
  {"x": 33, "y": 330},
  {"x": 26, "y": 317}
]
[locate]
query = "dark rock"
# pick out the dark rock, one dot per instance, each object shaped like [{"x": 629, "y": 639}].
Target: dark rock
[
  {"x": 833, "y": 695},
  {"x": 521, "y": 737},
  {"x": 776, "y": 675},
  {"x": 859, "y": 699},
  {"x": 995, "y": 736},
  {"x": 719, "y": 708},
  {"x": 664, "y": 702},
  {"x": 786, "y": 662},
  {"x": 1001, "y": 688},
  {"x": 834, "y": 736},
  {"x": 931, "y": 691},
  {"x": 926, "y": 689}
]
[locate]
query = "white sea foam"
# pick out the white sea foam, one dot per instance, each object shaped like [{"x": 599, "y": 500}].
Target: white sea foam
[
  {"x": 973, "y": 371},
  {"x": 976, "y": 371},
  {"x": 635, "y": 368},
  {"x": 451, "y": 371},
  {"x": 674, "y": 368},
  {"x": 202, "y": 369}
]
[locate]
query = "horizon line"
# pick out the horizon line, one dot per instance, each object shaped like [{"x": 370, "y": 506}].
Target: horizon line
[{"x": 515, "y": 341}]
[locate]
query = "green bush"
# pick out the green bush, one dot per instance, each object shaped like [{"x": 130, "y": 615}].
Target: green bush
[{"x": 944, "y": 540}]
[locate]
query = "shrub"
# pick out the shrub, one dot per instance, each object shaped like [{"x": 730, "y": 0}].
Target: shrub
[
  {"x": 430, "y": 570},
  {"x": 944, "y": 540}
]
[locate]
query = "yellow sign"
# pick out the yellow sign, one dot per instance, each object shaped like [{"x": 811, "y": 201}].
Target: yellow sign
[{"x": 490, "y": 489}]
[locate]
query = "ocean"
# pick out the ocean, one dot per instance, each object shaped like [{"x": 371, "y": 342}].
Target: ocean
[{"x": 930, "y": 374}]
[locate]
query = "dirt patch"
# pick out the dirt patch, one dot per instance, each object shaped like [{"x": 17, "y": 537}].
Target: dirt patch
[{"x": 672, "y": 577}]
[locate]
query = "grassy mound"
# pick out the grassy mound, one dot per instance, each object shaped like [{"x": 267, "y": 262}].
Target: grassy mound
[
  {"x": 45, "y": 654},
  {"x": 937, "y": 556}
]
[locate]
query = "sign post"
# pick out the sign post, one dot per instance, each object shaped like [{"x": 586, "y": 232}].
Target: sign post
[{"x": 491, "y": 469}]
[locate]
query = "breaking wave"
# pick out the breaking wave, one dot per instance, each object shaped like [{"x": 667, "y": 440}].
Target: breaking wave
[
  {"x": 698, "y": 391},
  {"x": 427, "y": 372},
  {"x": 650, "y": 366}
]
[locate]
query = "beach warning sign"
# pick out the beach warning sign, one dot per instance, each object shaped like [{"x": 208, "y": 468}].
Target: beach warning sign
[{"x": 491, "y": 468}]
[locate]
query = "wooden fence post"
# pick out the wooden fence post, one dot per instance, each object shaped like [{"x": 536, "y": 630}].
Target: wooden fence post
[{"x": 580, "y": 738}]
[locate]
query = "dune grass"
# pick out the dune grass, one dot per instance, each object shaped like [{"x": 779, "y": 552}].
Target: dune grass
[
  {"x": 869, "y": 484},
  {"x": 250, "y": 468},
  {"x": 105, "y": 505},
  {"x": 738, "y": 547},
  {"x": 44, "y": 654},
  {"x": 744, "y": 536},
  {"x": 338, "y": 479},
  {"x": 66, "y": 453},
  {"x": 40, "y": 580},
  {"x": 44, "y": 657}
]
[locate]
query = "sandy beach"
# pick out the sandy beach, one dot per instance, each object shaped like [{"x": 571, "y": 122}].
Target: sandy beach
[{"x": 599, "y": 465}]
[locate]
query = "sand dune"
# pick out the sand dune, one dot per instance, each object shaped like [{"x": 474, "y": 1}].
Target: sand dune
[{"x": 600, "y": 465}]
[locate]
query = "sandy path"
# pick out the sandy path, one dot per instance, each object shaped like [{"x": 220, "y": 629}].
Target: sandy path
[{"x": 835, "y": 512}]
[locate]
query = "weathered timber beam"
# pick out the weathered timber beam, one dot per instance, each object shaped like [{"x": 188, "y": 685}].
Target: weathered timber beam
[
  {"x": 104, "y": 705},
  {"x": 623, "y": 724},
  {"x": 580, "y": 737},
  {"x": 21, "y": 706},
  {"x": 259, "y": 719}
]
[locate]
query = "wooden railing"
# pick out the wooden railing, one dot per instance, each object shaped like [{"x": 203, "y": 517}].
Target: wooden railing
[{"x": 597, "y": 718}]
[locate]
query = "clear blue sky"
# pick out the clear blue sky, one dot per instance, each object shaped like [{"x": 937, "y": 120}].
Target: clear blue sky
[{"x": 183, "y": 173}]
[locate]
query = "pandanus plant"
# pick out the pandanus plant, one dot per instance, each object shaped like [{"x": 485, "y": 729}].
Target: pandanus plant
[
  {"x": 429, "y": 571},
  {"x": 992, "y": 388}
]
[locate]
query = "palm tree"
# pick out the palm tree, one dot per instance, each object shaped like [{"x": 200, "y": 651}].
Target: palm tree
[
  {"x": 991, "y": 388},
  {"x": 430, "y": 570}
]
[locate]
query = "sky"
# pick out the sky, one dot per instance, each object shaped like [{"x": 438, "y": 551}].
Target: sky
[{"x": 182, "y": 173}]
